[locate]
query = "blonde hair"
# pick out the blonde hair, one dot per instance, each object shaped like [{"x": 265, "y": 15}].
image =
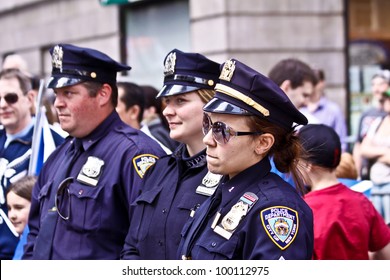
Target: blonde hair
[
  {"x": 206, "y": 94},
  {"x": 346, "y": 168}
]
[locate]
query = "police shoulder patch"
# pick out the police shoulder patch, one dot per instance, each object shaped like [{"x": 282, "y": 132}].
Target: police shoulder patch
[
  {"x": 281, "y": 224},
  {"x": 143, "y": 162}
]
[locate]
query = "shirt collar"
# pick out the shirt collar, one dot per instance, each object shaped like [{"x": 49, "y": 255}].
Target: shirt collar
[
  {"x": 241, "y": 181},
  {"x": 101, "y": 130},
  {"x": 195, "y": 161}
]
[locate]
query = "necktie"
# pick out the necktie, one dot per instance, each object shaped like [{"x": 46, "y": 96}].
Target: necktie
[
  {"x": 43, "y": 244},
  {"x": 210, "y": 206}
]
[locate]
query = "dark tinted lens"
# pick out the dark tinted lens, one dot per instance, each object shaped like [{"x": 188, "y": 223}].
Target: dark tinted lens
[
  {"x": 221, "y": 135},
  {"x": 206, "y": 124},
  {"x": 11, "y": 98}
]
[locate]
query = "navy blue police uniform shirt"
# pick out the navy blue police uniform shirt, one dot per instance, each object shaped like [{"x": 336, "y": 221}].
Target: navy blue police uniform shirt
[
  {"x": 100, "y": 214},
  {"x": 165, "y": 205},
  {"x": 279, "y": 225},
  {"x": 14, "y": 164}
]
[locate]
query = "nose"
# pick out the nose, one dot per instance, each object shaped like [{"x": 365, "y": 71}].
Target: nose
[
  {"x": 208, "y": 139},
  {"x": 3, "y": 103},
  {"x": 11, "y": 214},
  {"x": 58, "y": 102},
  {"x": 168, "y": 111}
]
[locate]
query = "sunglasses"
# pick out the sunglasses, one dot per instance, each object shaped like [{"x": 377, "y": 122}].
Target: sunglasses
[
  {"x": 222, "y": 133},
  {"x": 10, "y": 98}
]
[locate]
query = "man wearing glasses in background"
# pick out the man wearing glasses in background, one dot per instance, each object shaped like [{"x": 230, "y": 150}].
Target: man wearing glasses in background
[{"x": 16, "y": 101}]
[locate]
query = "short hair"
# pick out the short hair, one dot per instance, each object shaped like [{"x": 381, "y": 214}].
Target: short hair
[
  {"x": 23, "y": 187},
  {"x": 150, "y": 94},
  {"x": 294, "y": 70},
  {"x": 320, "y": 74},
  {"x": 133, "y": 95},
  {"x": 24, "y": 81},
  {"x": 94, "y": 87}
]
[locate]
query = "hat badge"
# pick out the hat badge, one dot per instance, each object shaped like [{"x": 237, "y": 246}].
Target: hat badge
[
  {"x": 228, "y": 70},
  {"x": 169, "y": 67},
  {"x": 57, "y": 57}
]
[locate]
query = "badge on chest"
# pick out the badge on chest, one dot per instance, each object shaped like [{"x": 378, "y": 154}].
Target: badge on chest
[
  {"x": 232, "y": 219},
  {"x": 91, "y": 171},
  {"x": 209, "y": 184}
]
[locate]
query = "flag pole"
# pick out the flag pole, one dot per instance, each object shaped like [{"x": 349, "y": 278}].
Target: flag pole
[{"x": 37, "y": 132}]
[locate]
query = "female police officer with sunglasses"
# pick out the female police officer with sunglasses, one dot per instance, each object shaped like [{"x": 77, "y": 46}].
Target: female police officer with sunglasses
[
  {"x": 178, "y": 183},
  {"x": 254, "y": 214}
]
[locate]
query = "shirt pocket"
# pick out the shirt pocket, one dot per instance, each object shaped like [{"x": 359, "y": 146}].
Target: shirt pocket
[
  {"x": 215, "y": 247},
  {"x": 190, "y": 201},
  {"x": 86, "y": 206},
  {"x": 144, "y": 209},
  {"x": 44, "y": 198}
]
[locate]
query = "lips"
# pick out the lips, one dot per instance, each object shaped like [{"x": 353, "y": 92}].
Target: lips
[
  {"x": 211, "y": 157},
  {"x": 173, "y": 124}
]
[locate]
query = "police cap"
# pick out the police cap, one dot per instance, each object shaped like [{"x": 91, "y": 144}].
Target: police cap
[
  {"x": 244, "y": 91},
  {"x": 73, "y": 65},
  {"x": 185, "y": 72}
]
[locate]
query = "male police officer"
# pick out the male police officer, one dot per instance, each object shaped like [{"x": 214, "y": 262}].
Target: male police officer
[{"x": 87, "y": 214}]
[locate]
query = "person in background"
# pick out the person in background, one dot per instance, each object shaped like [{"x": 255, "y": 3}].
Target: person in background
[
  {"x": 131, "y": 108},
  {"x": 80, "y": 207},
  {"x": 346, "y": 224},
  {"x": 380, "y": 83},
  {"x": 16, "y": 134},
  {"x": 18, "y": 203},
  {"x": 326, "y": 111},
  {"x": 375, "y": 147},
  {"x": 131, "y": 103},
  {"x": 254, "y": 214},
  {"x": 154, "y": 120},
  {"x": 176, "y": 186},
  {"x": 298, "y": 80},
  {"x": 16, "y": 61}
]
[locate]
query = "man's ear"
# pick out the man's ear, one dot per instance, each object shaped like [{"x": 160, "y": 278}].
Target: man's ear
[
  {"x": 264, "y": 143},
  {"x": 32, "y": 96},
  {"x": 286, "y": 85},
  {"x": 134, "y": 112},
  {"x": 105, "y": 93}
]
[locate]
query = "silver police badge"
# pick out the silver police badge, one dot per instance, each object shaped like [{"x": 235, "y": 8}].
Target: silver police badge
[
  {"x": 91, "y": 171},
  {"x": 228, "y": 70},
  {"x": 169, "y": 67},
  {"x": 209, "y": 184},
  {"x": 58, "y": 55},
  {"x": 236, "y": 214}
]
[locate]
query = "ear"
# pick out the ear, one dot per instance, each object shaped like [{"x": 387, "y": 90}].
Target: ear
[
  {"x": 286, "y": 86},
  {"x": 264, "y": 143},
  {"x": 134, "y": 111},
  {"x": 104, "y": 94},
  {"x": 31, "y": 96}
]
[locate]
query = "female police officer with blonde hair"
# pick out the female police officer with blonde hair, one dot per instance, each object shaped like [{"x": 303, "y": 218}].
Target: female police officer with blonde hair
[
  {"x": 253, "y": 214},
  {"x": 180, "y": 182}
]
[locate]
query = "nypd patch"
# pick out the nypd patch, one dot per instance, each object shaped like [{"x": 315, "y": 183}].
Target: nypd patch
[
  {"x": 143, "y": 162},
  {"x": 281, "y": 224}
]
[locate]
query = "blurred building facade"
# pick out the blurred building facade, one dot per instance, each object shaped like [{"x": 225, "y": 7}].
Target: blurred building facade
[{"x": 257, "y": 32}]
